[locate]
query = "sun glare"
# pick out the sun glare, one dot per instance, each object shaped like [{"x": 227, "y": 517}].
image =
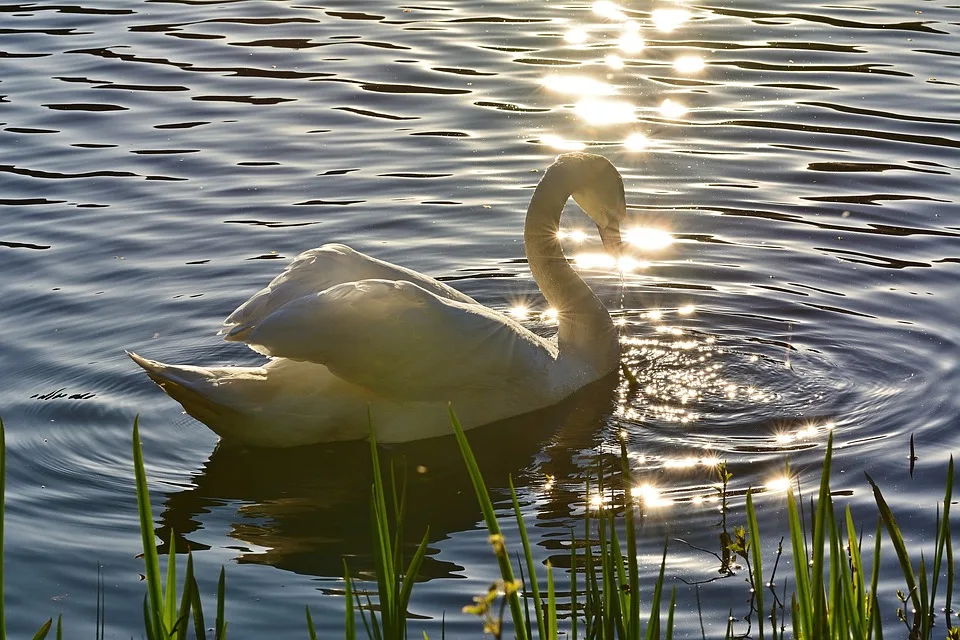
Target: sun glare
[
  {"x": 689, "y": 64},
  {"x": 578, "y": 85},
  {"x": 609, "y": 10},
  {"x": 561, "y": 144},
  {"x": 520, "y": 312},
  {"x": 669, "y": 19},
  {"x": 602, "y": 112},
  {"x": 635, "y": 142},
  {"x": 576, "y": 35},
  {"x": 672, "y": 110},
  {"x": 781, "y": 483},
  {"x": 648, "y": 238},
  {"x": 631, "y": 41},
  {"x": 614, "y": 61}
]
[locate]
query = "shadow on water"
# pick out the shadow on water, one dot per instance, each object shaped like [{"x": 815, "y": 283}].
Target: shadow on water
[{"x": 304, "y": 509}]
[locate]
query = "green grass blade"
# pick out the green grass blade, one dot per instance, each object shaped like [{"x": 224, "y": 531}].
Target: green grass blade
[
  {"x": 411, "y": 576},
  {"x": 893, "y": 531},
  {"x": 757, "y": 559},
  {"x": 221, "y": 623},
  {"x": 875, "y": 621},
  {"x": 170, "y": 591},
  {"x": 854, "y": 587},
  {"x": 926, "y": 614},
  {"x": 950, "y": 574},
  {"x": 633, "y": 572},
  {"x": 618, "y": 576},
  {"x": 486, "y": 506},
  {"x": 199, "y": 627},
  {"x": 653, "y": 626},
  {"x": 526, "y": 601},
  {"x": 573, "y": 587},
  {"x": 673, "y": 606},
  {"x": 313, "y": 632},
  {"x": 185, "y": 599},
  {"x": 551, "y": 604},
  {"x": 60, "y": 627},
  {"x": 943, "y": 534},
  {"x": 148, "y": 621},
  {"x": 528, "y": 555},
  {"x": 822, "y": 520},
  {"x": 383, "y": 554},
  {"x": 150, "y": 559},
  {"x": 349, "y": 619},
  {"x": 802, "y": 624},
  {"x": 43, "y": 630}
]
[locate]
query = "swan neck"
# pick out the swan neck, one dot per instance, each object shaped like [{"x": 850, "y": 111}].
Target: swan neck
[{"x": 584, "y": 323}]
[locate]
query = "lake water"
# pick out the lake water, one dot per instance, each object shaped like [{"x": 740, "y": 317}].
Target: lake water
[{"x": 162, "y": 160}]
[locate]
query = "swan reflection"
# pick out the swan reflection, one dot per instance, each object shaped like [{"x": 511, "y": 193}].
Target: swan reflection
[{"x": 305, "y": 508}]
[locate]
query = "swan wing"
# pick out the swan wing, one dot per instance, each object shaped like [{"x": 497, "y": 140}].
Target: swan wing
[
  {"x": 403, "y": 341},
  {"x": 319, "y": 269}
]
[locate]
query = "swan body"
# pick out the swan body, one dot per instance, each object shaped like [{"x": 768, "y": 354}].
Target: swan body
[{"x": 346, "y": 332}]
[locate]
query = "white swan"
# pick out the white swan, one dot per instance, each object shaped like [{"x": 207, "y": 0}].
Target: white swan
[{"x": 346, "y": 332}]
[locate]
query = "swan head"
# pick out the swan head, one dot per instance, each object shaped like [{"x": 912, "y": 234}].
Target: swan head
[{"x": 597, "y": 187}]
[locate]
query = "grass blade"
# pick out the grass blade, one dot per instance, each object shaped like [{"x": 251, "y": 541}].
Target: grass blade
[
  {"x": 898, "y": 544},
  {"x": 573, "y": 587},
  {"x": 410, "y": 578},
  {"x": 43, "y": 630},
  {"x": 633, "y": 623},
  {"x": 349, "y": 620},
  {"x": 170, "y": 591},
  {"x": 528, "y": 555},
  {"x": 551, "y": 604},
  {"x": 199, "y": 628},
  {"x": 486, "y": 506},
  {"x": 185, "y": 598},
  {"x": 150, "y": 559},
  {"x": 757, "y": 558},
  {"x": 221, "y": 623},
  {"x": 311, "y": 631}
]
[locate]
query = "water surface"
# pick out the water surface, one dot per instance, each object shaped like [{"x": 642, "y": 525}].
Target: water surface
[{"x": 163, "y": 160}]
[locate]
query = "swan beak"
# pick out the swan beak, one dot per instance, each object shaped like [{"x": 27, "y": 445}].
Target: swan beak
[{"x": 610, "y": 236}]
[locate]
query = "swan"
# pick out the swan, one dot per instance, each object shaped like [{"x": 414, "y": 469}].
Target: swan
[{"x": 346, "y": 332}]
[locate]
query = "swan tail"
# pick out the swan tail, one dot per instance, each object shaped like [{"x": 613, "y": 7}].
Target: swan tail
[{"x": 196, "y": 388}]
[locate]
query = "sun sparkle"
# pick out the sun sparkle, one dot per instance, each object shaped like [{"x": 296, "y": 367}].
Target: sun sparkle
[
  {"x": 689, "y": 64},
  {"x": 648, "y": 238},
  {"x": 672, "y": 110},
  {"x": 578, "y": 85},
  {"x": 669, "y": 19},
  {"x": 602, "y": 112},
  {"x": 561, "y": 144}
]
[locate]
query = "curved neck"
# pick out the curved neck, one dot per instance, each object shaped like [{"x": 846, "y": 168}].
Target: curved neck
[{"x": 584, "y": 323}]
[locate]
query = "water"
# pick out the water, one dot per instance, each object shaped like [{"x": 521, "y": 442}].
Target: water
[{"x": 162, "y": 160}]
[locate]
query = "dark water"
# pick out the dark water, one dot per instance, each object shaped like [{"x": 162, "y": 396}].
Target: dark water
[{"x": 160, "y": 161}]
